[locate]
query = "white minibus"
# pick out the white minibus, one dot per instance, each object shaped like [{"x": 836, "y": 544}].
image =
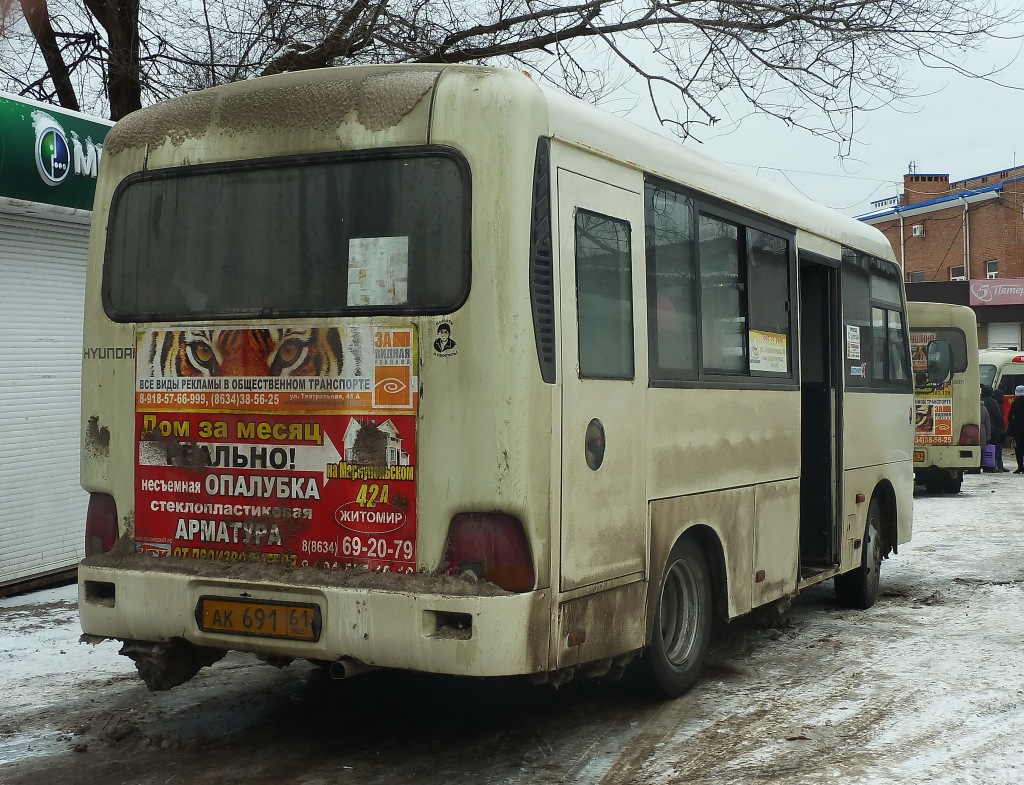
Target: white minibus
[
  {"x": 437, "y": 368},
  {"x": 947, "y": 416}
]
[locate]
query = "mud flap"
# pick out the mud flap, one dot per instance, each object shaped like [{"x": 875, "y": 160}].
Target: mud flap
[{"x": 166, "y": 665}]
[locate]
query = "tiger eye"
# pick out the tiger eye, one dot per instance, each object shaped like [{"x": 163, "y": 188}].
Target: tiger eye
[
  {"x": 289, "y": 352},
  {"x": 203, "y": 353}
]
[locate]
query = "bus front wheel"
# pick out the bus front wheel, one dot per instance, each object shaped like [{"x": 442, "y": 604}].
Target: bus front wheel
[
  {"x": 859, "y": 588},
  {"x": 682, "y": 621}
]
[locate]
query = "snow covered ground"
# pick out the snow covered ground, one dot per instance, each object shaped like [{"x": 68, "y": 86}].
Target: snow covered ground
[
  {"x": 926, "y": 687},
  {"x": 40, "y": 656}
]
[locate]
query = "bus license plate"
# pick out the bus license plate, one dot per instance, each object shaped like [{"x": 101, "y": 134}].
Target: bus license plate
[
  {"x": 268, "y": 619},
  {"x": 918, "y": 456}
]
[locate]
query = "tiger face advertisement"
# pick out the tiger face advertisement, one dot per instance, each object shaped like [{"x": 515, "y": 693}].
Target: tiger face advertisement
[{"x": 291, "y": 445}]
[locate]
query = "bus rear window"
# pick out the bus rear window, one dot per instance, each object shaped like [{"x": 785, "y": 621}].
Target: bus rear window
[{"x": 283, "y": 237}]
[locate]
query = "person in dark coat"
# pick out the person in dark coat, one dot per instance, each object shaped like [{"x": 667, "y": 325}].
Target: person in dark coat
[
  {"x": 1015, "y": 427},
  {"x": 997, "y": 433}
]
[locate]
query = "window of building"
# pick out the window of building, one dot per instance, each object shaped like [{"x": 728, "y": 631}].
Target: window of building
[
  {"x": 957, "y": 273},
  {"x": 915, "y": 276},
  {"x": 992, "y": 268},
  {"x": 604, "y": 297}
]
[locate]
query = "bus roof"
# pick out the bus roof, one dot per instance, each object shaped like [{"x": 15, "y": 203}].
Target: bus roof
[
  {"x": 322, "y": 98},
  {"x": 999, "y": 357},
  {"x": 929, "y": 314}
]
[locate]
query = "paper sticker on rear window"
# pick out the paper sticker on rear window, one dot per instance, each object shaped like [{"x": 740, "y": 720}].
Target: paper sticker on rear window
[{"x": 378, "y": 271}]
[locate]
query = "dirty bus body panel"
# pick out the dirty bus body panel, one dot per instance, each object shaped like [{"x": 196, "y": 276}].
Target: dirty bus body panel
[{"x": 404, "y": 375}]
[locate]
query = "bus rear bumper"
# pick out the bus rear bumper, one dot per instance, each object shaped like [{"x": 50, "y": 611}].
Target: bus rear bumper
[
  {"x": 953, "y": 458},
  {"x": 484, "y": 633}
]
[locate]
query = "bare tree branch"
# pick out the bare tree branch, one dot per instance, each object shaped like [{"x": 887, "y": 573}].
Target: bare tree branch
[
  {"x": 37, "y": 15},
  {"x": 813, "y": 64}
]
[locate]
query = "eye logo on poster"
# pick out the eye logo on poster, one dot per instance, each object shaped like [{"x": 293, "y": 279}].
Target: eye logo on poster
[
  {"x": 392, "y": 370},
  {"x": 53, "y": 156},
  {"x": 392, "y": 387}
]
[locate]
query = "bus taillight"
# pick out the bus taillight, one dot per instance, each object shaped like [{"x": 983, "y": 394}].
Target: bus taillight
[
  {"x": 100, "y": 524},
  {"x": 969, "y": 434},
  {"x": 493, "y": 546}
]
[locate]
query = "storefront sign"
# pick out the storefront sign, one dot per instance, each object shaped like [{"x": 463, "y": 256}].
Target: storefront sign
[
  {"x": 49, "y": 155},
  {"x": 998, "y": 291}
]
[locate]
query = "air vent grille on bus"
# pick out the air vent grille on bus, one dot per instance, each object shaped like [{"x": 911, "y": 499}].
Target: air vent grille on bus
[{"x": 542, "y": 294}]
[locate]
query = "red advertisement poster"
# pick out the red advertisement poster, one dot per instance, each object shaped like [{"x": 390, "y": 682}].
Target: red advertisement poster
[
  {"x": 933, "y": 405},
  {"x": 294, "y": 446}
]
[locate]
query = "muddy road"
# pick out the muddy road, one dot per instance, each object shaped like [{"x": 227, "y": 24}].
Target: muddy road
[{"x": 925, "y": 687}]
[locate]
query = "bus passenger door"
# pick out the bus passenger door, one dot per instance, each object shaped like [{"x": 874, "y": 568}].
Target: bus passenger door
[
  {"x": 820, "y": 413},
  {"x": 604, "y": 380}
]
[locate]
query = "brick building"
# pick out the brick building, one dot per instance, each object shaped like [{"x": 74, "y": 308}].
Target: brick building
[{"x": 965, "y": 231}]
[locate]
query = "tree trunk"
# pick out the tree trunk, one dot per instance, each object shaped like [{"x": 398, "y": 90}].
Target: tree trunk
[{"x": 120, "y": 19}]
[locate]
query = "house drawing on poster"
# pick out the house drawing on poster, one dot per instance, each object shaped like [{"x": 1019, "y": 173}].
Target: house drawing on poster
[{"x": 396, "y": 455}]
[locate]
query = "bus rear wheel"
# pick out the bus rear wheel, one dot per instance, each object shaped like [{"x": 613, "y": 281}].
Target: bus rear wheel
[
  {"x": 682, "y": 621},
  {"x": 859, "y": 588},
  {"x": 954, "y": 482}
]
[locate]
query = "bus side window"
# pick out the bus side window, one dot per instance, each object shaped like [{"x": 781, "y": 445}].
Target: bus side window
[
  {"x": 769, "y": 301},
  {"x": 723, "y": 297},
  {"x": 604, "y": 295},
  {"x": 878, "y": 341},
  {"x": 857, "y": 320},
  {"x": 898, "y": 371},
  {"x": 889, "y": 355},
  {"x": 671, "y": 275}
]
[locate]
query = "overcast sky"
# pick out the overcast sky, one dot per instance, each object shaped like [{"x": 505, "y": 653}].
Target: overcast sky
[{"x": 960, "y": 127}]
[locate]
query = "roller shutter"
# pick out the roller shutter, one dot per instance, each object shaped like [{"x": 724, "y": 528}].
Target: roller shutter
[{"x": 42, "y": 285}]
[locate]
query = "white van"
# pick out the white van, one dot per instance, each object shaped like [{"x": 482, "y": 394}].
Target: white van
[{"x": 1002, "y": 369}]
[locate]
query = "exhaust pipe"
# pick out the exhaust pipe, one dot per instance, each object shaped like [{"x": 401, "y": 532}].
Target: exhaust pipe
[{"x": 347, "y": 667}]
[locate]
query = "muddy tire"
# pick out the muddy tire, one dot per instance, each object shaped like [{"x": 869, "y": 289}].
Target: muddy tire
[
  {"x": 683, "y": 620},
  {"x": 859, "y": 588}
]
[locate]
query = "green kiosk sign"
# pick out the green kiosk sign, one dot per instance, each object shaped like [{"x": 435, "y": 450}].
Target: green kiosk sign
[{"x": 48, "y": 155}]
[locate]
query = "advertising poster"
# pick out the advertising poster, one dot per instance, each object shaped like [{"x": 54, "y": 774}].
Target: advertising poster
[
  {"x": 933, "y": 404},
  {"x": 852, "y": 342},
  {"x": 287, "y": 445},
  {"x": 768, "y": 352}
]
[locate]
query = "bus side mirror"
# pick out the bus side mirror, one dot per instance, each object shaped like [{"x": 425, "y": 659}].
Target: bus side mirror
[{"x": 940, "y": 364}]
